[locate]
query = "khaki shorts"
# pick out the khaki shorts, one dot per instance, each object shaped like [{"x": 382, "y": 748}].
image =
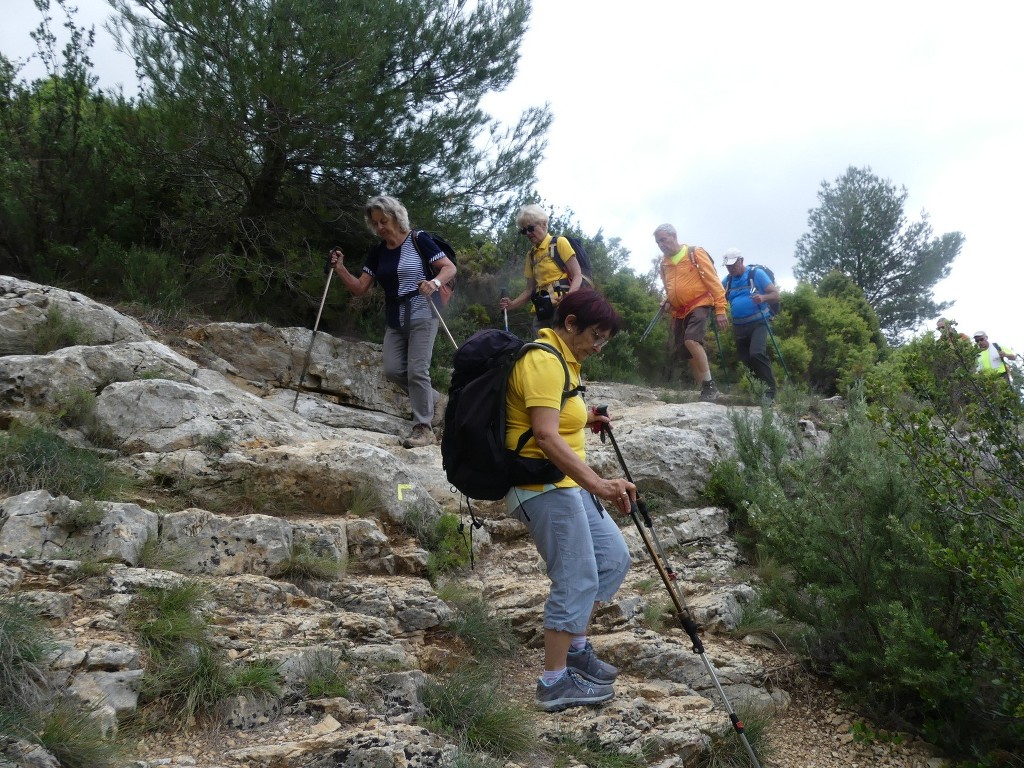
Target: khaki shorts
[{"x": 693, "y": 327}]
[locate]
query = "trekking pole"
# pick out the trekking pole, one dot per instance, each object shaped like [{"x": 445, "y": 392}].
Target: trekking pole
[
  {"x": 654, "y": 321},
  {"x": 718, "y": 341},
  {"x": 504, "y": 295},
  {"x": 775, "y": 344},
  {"x": 305, "y": 366},
  {"x": 668, "y": 576},
  {"x": 437, "y": 312}
]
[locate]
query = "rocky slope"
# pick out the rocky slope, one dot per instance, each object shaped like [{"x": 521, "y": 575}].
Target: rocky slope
[{"x": 237, "y": 477}]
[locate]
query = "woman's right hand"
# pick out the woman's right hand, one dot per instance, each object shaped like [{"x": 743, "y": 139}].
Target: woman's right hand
[
  {"x": 619, "y": 492},
  {"x": 505, "y": 303}
]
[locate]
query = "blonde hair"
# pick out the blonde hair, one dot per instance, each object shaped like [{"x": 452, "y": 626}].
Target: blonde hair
[
  {"x": 388, "y": 206},
  {"x": 531, "y": 214}
]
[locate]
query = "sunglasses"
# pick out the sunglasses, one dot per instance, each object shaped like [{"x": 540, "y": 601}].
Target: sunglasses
[{"x": 528, "y": 230}]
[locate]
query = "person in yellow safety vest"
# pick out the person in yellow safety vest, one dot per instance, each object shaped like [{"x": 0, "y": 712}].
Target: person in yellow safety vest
[
  {"x": 693, "y": 291},
  {"x": 991, "y": 357}
]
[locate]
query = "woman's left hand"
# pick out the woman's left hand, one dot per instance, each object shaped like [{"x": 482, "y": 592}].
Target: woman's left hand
[{"x": 427, "y": 287}]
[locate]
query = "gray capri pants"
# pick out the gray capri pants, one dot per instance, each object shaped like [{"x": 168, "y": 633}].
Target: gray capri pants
[{"x": 587, "y": 558}]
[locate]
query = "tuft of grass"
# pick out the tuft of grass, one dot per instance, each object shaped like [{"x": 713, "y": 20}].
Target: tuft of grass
[
  {"x": 33, "y": 458},
  {"x": 217, "y": 443},
  {"x": 468, "y": 705},
  {"x": 73, "y": 734},
  {"x": 261, "y": 678},
  {"x": 188, "y": 683},
  {"x": 305, "y": 564},
  {"x": 441, "y": 537},
  {"x": 158, "y": 555},
  {"x": 25, "y": 644},
  {"x": 757, "y": 619},
  {"x": 167, "y": 620},
  {"x": 726, "y": 750},
  {"x": 57, "y": 332},
  {"x": 323, "y": 677},
  {"x": 364, "y": 501},
  {"x": 657, "y": 613},
  {"x": 487, "y": 635},
  {"x": 589, "y": 751},
  {"x": 28, "y": 707}
]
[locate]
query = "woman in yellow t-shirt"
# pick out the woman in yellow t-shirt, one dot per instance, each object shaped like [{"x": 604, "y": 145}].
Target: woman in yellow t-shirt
[
  {"x": 546, "y": 282},
  {"x": 586, "y": 556}
]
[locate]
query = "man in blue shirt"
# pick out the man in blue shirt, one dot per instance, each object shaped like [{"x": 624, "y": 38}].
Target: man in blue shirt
[{"x": 749, "y": 291}]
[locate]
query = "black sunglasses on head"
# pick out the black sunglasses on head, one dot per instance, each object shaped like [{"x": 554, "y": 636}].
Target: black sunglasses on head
[{"x": 528, "y": 230}]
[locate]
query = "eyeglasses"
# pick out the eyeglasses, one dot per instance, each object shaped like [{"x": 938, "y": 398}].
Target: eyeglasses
[
  {"x": 980, "y": 338},
  {"x": 599, "y": 340},
  {"x": 528, "y": 230}
]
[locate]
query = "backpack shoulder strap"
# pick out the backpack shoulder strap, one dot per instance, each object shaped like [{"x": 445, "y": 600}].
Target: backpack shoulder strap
[
  {"x": 566, "y": 392},
  {"x": 423, "y": 257},
  {"x": 555, "y": 256}
]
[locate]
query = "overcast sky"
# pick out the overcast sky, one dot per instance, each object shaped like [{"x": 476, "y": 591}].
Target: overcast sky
[{"x": 724, "y": 119}]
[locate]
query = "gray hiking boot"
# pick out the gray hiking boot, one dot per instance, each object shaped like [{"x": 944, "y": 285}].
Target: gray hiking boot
[
  {"x": 589, "y": 666},
  {"x": 421, "y": 435},
  {"x": 572, "y": 690},
  {"x": 708, "y": 392}
]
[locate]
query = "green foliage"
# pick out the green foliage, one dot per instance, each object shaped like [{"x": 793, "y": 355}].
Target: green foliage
[
  {"x": 306, "y": 564},
  {"x": 57, "y": 332},
  {"x": 188, "y": 675},
  {"x": 469, "y": 705},
  {"x": 828, "y": 341},
  {"x": 73, "y": 734},
  {"x": 29, "y": 707},
  {"x": 250, "y": 143},
  {"x": 441, "y": 537},
  {"x": 166, "y": 620},
  {"x": 33, "y": 458},
  {"x": 860, "y": 229},
  {"x": 590, "y": 751},
  {"x": 904, "y": 580},
  {"x": 725, "y": 750},
  {"x": 75, "y": 516},
  {"x": 323, "y": 675},
  {"x": 475, "y": 623}
]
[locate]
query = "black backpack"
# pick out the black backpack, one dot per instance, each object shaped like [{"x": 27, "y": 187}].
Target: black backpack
[
  {"x": 773, "y": 306},
  {"x": 473, "y": 451},
  {"x": 581, "y": 256}
]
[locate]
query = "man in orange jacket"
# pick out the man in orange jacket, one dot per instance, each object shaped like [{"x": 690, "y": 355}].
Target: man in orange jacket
[{"x": 693, "y": 291}]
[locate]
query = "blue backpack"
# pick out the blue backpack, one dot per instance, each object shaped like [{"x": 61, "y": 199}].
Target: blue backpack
[{"x": 773, "y": 306}]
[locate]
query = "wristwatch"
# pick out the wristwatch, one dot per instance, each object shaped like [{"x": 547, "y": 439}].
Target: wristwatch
[{"x": 437, "y": 283}]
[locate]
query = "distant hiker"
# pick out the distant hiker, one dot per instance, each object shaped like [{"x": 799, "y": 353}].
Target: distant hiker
[
  {"x": 749, "y": 290},
  {"x": 693, "y": 292},
  {"x": 547, "y": 281},
  {"x": 397, "y": 265},
  {"x": 947, "y": 329},
  {"x": 582, "y": 547},
  {"x": 991, "y": 357}
]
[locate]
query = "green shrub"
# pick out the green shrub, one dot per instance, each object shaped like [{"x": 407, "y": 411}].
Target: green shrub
[
  {"x": 25, "y": 644},
  {"x": 895, "y": 573},
  {"x": 75, "y": 516},
  {"x": 259, "y": 678},
  {"x": 469, "y": 705}
]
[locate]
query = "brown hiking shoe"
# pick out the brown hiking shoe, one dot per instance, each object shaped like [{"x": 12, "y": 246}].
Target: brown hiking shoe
[{"x": 421, "y": 435}]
